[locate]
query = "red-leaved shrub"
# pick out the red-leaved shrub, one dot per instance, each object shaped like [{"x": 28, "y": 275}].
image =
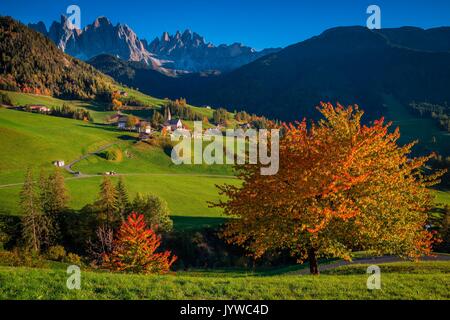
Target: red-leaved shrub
[{"x": 135, "y": 249}]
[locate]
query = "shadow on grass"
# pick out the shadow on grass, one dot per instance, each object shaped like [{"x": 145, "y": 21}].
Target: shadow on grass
[
  {"x": 144, "y": 114},
  {"x": 110, "y": 128},
  {"x": 96, "y": 106},
  {"x": 97, "y": 126},
  {"x": 196, "y": 223},
  {"x": 126, "y": 137}
]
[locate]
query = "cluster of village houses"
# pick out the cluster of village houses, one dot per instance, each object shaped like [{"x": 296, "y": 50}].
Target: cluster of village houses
[
  {"x": 143, "y": 127},
  {"x": 145, "y": 130},
  {"x": 170, "y": 125}
]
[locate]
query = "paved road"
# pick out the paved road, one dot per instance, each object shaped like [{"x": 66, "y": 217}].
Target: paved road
[
  {"x": 79, "y": 175},
  {"x": 68, "y": 167},
  {"x": 374, "y": 261},
  {"x": 88, "y": 176}
]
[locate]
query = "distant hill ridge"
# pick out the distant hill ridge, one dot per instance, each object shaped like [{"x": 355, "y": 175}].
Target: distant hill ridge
[{"x": 345, "y": 64}]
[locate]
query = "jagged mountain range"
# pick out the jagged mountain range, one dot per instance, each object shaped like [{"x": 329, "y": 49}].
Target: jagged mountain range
[
  {"x": 189, "y": 51},
  {"x": 186, "y": 52}
]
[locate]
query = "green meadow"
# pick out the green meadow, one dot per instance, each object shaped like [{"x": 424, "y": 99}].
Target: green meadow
[
  {"x": 36, "y": 140},
  {"x": 405, "y": 281},
  {"x": 97, "y": 109},
  {"x": 443, "y": 197}
]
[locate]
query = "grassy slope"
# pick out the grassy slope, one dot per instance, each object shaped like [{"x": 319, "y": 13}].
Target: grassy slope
[
  {"x": 187, "y": 196},
  {"x": 157, "y": 103},
  {"x": 37, "y": 140},
  {"x": 422, "y": 129},
  {"x": 424, "y": 280},
  {"x": 414, "y": 128},
  {"x": 443, "y": 197},
  {"x": 96, "y": 109}
]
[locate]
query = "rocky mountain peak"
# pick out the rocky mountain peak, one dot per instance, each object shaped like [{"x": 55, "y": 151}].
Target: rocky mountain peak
[
  {"x": 165, "y": 37},
  {"x": 102, "y": 22},
  {"x": 183, "y": 52},
  {"x": 187, "y": 35}
]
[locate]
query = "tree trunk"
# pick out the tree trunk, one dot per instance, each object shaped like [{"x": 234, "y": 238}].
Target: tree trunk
[{"x": 313, "y": 265}]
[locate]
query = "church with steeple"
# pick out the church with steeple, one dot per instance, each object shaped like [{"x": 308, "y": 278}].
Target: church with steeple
[{"x": 171, "y": 124}]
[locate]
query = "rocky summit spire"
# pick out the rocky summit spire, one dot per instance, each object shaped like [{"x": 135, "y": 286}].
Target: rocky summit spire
[
  {"x": 165, "y": 37},
  {"x": 102, "y": 22}
]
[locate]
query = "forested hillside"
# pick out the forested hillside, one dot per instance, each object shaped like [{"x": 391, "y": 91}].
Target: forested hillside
[{"x": 30, "y": 62}]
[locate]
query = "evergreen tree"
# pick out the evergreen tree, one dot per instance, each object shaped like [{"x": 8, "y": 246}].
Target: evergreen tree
[
  {"x": 122, "y": 199},
  {"x": 157, "y": 119},
  {"x": 54, "y": 199},
  {"x": 220, "y": 115},
  {"x": 54, "y": 194},
  {"x": 34, "y": 223},
  {"x": 108, "y": 202},
  {"x": 44, "y": 190}
]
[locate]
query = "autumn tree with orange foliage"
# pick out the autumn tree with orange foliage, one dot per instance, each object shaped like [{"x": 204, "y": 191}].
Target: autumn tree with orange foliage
[
  {"x": 115, "y": 101},
  {"x": 341, "y": 185},
  {"x": 116, "y": 104},
  {"x": 135, "y": 249}
]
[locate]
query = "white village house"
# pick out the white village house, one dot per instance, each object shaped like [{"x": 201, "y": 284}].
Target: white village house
[
  {"x": 141, "y": 127},
  {"x": 122, "y": 122},
  {"x": 144, "y": 127},
  {"x": 38, "y": 108},
  {"x": 59, "y": 163}
]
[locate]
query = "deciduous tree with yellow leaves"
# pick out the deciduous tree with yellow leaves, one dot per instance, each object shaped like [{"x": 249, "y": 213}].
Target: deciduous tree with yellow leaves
[{"x": 341, "y": 185}]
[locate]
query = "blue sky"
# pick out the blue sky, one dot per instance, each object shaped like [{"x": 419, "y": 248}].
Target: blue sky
[{"x": 260, "y": 24}]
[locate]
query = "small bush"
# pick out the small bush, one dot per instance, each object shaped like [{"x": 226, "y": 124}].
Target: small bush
[
  {"x": 8, "y": 258},
  {"x": 160, "y": 142},
  {"x": 112, "y": 155},
  {"x": 10, "y": 231},
  {"x": 155, "y": 210},
  {"x": 73, "y": 258},
  {"x": 56, "y": 253},
  {"x": 4, "y": 99},
  {"x": 18, "y": 258}
]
